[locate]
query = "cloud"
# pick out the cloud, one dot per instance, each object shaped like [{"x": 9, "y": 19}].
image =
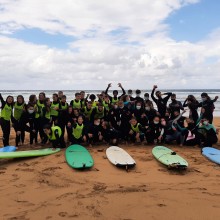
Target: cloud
[{"x": 126, "y": 42}]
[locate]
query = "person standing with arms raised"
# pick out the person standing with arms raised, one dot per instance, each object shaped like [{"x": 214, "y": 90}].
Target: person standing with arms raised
[
  {"x": 160, "y": 102},
  {"x": 115, "y": 97}
]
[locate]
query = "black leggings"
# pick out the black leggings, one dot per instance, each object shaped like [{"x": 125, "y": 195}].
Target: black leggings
[
  {"x": 6, "y": 127},
  {"x": 20, "y": 137}
]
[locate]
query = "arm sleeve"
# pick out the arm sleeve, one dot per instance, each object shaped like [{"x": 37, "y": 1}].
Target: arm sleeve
[
  {"x": 167, "y": 97},
  {"x": 185, "y": 104},
  {"x": 152, "y": 96},
  {"x": 123, "y": 91},
  {"x": 2, "y": 101},
  {"x": 181, "y": 106}
]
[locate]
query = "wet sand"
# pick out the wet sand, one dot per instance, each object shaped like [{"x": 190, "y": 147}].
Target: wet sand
[{"x": 47, "y": 188}]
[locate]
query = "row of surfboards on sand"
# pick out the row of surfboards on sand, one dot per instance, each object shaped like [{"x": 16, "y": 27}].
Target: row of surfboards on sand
[{"x": 78, "y": 157}]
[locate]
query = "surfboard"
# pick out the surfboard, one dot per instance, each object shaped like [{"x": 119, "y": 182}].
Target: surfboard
[
  {"x": 28, "y": 153},
  {"x": 78, "y": 157},
  {"x": 212, "y": 154},
  {"x": 119, "y": 157},
  {"x": 168, "y": 157},
  {"x": 8, "y": 149}
]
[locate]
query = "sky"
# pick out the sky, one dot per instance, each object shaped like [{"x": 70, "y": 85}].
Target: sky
[{"x": 86, "y": 44}]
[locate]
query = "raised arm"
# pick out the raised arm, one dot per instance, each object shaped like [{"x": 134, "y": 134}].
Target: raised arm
[
  {"x": 123, "y": 91},
  {"x": 106, "y": 91},
  {"x": 2, "y": 100},
  {"x": 152, "y": 94}
]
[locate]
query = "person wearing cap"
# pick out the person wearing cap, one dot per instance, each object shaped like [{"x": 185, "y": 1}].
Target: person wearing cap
[
  {"x": 208, "y": 106},
  {"x": 159, "y": 101},
  {"x": 115, "y": 97}
]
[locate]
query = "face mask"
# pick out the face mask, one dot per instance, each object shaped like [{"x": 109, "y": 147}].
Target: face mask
[
  {"x": 115, "y": 106},
  {"x": 121, "y": 107},
  {"x": 205, "y": 122},
  {"x": 30, "y": 111},
  {"x": 138, "y": 107},
  {"x": 138, "y": 95},
  {"x": 204, "y": 99},
  {"x": 97, "y": 123},
  {"x": 156, "y": 122},
  {"x": 146, "y": 98},
  {"x": 147, "y": 108}
]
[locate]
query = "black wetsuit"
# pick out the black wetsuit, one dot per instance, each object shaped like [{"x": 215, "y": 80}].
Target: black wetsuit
[
  {"x": 175, "y": 106},
  {"x": 209, "y": 107},
  {"x": 161, "y": 102},
  {"x": 28, "y": 123},
  {"x": 193, "y": 107}
]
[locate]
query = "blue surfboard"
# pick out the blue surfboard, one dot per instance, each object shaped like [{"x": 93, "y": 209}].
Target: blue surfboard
[
  {"x": 8, "y": 149},
  {"x": 212, "y": 154}
]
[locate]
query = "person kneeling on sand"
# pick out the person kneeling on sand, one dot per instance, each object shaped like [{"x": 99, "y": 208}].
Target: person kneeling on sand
[
  {"x": 208, "y": 134},
  {"x": 54, "y": 134}
]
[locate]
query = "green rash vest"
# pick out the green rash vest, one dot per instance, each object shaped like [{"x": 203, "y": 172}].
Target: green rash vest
[
  {"x": 54, "y": 112},
  {"x": 114, "y": 100},
  {"x": 76, "y": 104},
  {"x": 39, "y": 109},
  {"x": 87, "y": 112},
  {"x": 99, "y": 114},
  {"x": 136, "y": 128},
  {"x": 77, "y": 131},
  {"x": 18, "y": 110},
  {"x": 6, "y": 112},
  {"x": 52, "y": 136},
  {"x": 106, "y": 105},
  {"x": 64, "y": 107},
  {"x": 47, "y": 115},
  {"x": 83, "y": 102}
]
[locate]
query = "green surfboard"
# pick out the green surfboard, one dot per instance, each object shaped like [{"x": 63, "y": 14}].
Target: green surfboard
[
  {"x": 78, "y": 157},
  {"x": 29, "y": 153},
  {"x": 168, "y": 157}
]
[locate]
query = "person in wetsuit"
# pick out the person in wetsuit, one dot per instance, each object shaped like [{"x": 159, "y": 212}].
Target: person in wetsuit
[
  {"x": 160, "y": 102},
  {"x": 6, "y": 116},
  {"x": 115, "y": 97}
]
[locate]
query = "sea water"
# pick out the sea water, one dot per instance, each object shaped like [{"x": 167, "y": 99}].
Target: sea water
[{"x": 181, "y": 95}]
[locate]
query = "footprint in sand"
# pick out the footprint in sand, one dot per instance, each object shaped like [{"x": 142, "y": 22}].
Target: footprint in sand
[
  {"x": 99, "y": 187},
  {"x": 161, "y": 205},
  {"x": 2, "y": 170},
  {"x": 15, "y": 178},
  {"x": 23, "y": 164},
  {"x": 24, "y": 169},
  {"x": 63, "y": 214}
]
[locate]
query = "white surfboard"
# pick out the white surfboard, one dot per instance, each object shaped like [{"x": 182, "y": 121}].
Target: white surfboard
[{"x": 119, "y": 157}]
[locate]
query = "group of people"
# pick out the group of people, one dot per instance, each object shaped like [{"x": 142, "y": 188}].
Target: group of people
[{"x": 112, "y": 119}]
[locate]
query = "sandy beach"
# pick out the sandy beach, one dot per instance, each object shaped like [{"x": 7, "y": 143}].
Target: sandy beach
[{"x": 47, "y": 188}]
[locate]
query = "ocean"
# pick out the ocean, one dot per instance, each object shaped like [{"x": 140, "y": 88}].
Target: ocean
[{"x": 181, "y": 94}]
